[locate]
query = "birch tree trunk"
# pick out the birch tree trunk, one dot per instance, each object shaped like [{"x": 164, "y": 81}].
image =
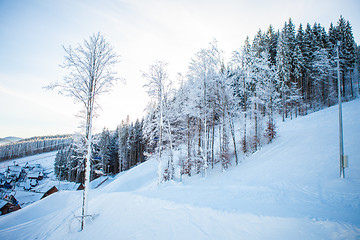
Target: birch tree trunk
[
  {"x": 171, "y": 163},
  {"x": 160, "y": 131},
  {"x": 232, "y": 129},
  {"x": 90, "y": 75}
]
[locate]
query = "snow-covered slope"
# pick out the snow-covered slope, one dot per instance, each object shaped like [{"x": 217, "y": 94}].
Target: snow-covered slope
[
  {"x": 8, "y": 140},
  {"x": 290, "y": 189}
]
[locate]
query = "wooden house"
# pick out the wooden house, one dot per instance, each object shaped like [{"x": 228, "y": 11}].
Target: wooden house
[
  {"x": 8, "y": 206},
  {"x": 14, "y": 172},
  {"x": 49, "y": 192},
  {"x": 79, "y": 186},
  {"x": 36, "y": 173}
]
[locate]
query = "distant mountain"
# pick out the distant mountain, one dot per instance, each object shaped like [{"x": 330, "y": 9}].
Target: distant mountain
[{"x": 8, "y": 140}]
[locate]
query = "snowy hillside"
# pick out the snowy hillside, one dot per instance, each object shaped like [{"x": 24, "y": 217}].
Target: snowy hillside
[
  {"x": 8, "y": 140},
  {"x": 290, "y": 189}
]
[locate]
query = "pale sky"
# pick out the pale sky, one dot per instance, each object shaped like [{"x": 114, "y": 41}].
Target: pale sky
[{"x": 32, "y": 34}]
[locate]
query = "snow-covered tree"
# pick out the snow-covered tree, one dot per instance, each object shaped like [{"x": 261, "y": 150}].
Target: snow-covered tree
[
  {"x": 209, "y": 77},
  {"x": 157, "y": 78},
  {"x": 323, "y": 87},
  {"x": 123, "y": 132},
  {"x": 200, "y": 71},
  {"x": 34, "y": 145},
  {"x": 242, "y": 67},
  {"x": 105, "y": 151},
  {"x": 184, "y": 107},
  {"x": 89, "y": 75},
  {"x": 283, "y": 65}
]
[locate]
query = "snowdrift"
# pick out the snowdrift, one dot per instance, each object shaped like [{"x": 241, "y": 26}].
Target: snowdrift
[{"x": 290, "y": 189}]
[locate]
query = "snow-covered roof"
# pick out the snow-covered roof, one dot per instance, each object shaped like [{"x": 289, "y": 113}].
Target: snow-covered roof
[
  {"x": 69, "y": 186},
  {"x": 37, "y": 169},
  {"x": 15, "y": 168},
  {"x": 3, "y": 203},
  {"x": 14, "y": 173},
  {"x": 33, "y": 175},
  {"x": 64, "y": 185}
]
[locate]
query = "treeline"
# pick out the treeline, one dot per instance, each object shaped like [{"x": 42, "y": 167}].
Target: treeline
[
  {"x": 224, "y": 108},
  {"x": 34, "y": 145},
  {"x": 112, "y": 151}
]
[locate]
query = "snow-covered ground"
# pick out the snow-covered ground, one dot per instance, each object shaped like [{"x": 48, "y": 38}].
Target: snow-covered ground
[
  {"x": 8, "y": 140},
  {"x": 290, "y": 189},
  {"x": 46, "y": 160}
]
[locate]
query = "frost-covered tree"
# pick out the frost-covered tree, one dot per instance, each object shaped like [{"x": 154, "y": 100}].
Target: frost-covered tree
[
  {"x": 259, "y": 45},
  {"x": 127, "y": 146},
  {"x": 224, "y": 105},
  {"x": 271, "y": 43},
  {"x": 68, "y": 162},
  {"x": 209, "y": 78},
  {"x": 170, "y": 121},
  {"x": 105, "y": 151},
  {"x": 61, "y": 165},
  {"x": 157, "y": 78},
  {"x": 200, "y": 71},
  {"x": 123, "y": 132},
  {"x": 89, "y": 75},
  {"x": 283, "y": 64},
  {"x": 255, "y": 85},
  {"x": 184, "y": 106},
  {"x": 34, "y": 145},
  {"x": 342, "y": 33},
  {"x": 242, "y": 67},
  {"x": 322, "y": 85},
  {"x": 349, "y": 51}
]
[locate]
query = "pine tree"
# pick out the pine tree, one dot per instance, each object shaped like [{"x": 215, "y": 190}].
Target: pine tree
[
  {"x": 350, "y": 54},
  {"x": 299, "y": 70},
  {"x": 114, "y": 152},
  {"x": 60, "y": 165},
  {"x": 259, "y": 45},
  {"x": 243, "y": 61},
  {"x": 283, "y": 64},
  {"x": 271, "y": 40},
  {"x": 105, "y": 154},
  {"x": 123, "y": 150},
  {"x": 323, "y": 87},
  {"x": 347, "y": 53}
]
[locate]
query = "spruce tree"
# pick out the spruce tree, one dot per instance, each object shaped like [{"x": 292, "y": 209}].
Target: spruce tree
[
  {"x": 283, "y": 64},
  {"x": 271, "y": 39}
]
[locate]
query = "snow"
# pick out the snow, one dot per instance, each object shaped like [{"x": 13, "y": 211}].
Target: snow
[
  {"x": 2, "y": 203},
  {"x": 290, "y": 189},
  {"x": 46, "y": 160},
  {"x": 9, "y": 140}
]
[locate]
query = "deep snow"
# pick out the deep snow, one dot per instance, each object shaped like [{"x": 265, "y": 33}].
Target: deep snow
[{"x": 290, "y": 189}]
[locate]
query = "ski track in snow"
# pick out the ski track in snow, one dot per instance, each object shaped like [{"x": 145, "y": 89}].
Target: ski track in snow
[{"x": 290, "y": 189}]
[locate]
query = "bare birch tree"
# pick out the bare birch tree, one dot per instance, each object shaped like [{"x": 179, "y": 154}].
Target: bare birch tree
[{"x": 89, "y": 75}]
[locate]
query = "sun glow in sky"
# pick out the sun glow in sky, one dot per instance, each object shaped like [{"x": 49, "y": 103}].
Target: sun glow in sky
[{"x": 32, "y": 33}]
